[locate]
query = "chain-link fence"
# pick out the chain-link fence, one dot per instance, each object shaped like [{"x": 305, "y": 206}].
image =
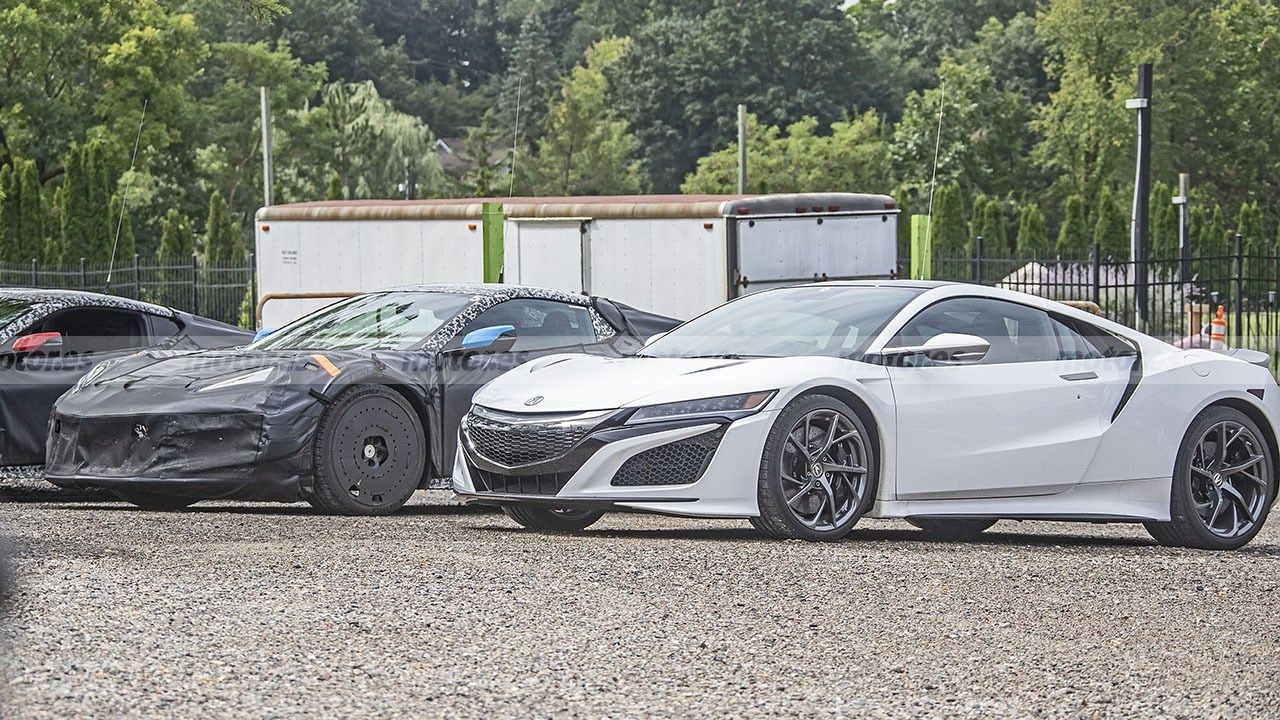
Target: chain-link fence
[{"x": 219, "y": 290}]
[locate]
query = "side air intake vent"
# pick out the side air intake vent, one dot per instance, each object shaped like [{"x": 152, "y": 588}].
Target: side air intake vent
[{"x": 677, "y": 463}]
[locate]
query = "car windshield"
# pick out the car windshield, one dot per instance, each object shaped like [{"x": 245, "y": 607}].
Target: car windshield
[
  {"x": 11, "y": 310},
  {"x": 832, "y": 320},
  {"x": 377, "y": 321}
]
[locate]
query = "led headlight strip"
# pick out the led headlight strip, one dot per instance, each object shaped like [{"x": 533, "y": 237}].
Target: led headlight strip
[{"x": 727, "y": 406}]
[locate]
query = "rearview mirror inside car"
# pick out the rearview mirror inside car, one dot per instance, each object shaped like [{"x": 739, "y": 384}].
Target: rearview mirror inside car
[
  {"x": 37, "y": 341},
  {"x": 494, "y": 339}
]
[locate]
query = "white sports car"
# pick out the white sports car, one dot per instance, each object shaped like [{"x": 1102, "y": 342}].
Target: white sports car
[{"x": 952, "y": 406}]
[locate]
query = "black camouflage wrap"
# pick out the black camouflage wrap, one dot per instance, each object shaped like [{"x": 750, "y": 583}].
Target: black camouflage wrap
[
  {"x": 142, "y": 423},
  {"x": 31, "y": 384}
]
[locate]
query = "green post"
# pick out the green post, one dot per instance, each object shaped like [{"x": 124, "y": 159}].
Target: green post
[
  {"x": 921, "y": 249},
  {"x": 491, "y": 218}
]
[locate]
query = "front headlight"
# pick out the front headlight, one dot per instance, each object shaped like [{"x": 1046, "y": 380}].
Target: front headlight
[
  {"x": 728, "y": 406},
  {"x": 254, "y": 378}
]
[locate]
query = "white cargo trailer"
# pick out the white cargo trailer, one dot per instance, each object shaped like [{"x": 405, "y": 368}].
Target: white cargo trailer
[{"x": 678, "y": 255}]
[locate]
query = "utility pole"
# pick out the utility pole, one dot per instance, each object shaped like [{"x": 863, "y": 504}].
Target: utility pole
[
  {"x": 1139, "y": 240},
  {"x": 742, "y": 149},
  {"x": 268, "y": 170},
  {"x": 1184, "y": 227}
]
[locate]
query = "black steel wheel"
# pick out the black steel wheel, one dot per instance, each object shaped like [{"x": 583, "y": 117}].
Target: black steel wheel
[
  {"x": 552, "y": 519},
  {"x": 154, "y": 501},
  {"x": 817, "y": 471},
  {"x": 1223, "y": 484},
  {"x": 370, "y": 453},
  {"x": 952, "y": 528}
]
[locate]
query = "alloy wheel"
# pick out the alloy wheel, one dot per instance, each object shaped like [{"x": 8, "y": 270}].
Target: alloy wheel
[
  {"x": 1229, "y": 479},
  {"x": 824, "y": 470}
]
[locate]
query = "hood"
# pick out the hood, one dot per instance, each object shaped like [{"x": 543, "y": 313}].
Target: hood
[{"x": 573, "y": 383}]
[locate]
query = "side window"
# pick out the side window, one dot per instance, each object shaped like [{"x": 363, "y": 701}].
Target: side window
[
  {"x": 539, "y": 324},
  {"x": 162, "y": 328},
  {"x": 1016, "y": 333},
  {"x": 1074, "y": 346},
  {"x": 95, "y": 330}
]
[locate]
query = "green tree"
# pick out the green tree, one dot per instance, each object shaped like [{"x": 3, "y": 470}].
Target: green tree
[
  {"x": 10, "y": 209},
  {"x": 1110, "y": 230},
  {"x": 586, "y": 149},
  {"x": 121, "y": 228},
  {"x": 1164, "y": 223},
  {"x": 529, "y": 81},
  {"x": 1073, "y": 235},
  {"x": 222, "y": 242},
  {"x": 950, "y": 233},
  {"x": 1033, "y": 239},
  {"x": 177, "y": 240},
  {"x": 1212, "y": 240},
  {"x": 1258, "y": 248},
  {"x": 335, "y": 190},
  {"x": 995, "y": 239},
  {"x": 481, "y": 179},
  {"x": 29, "y": 243}
]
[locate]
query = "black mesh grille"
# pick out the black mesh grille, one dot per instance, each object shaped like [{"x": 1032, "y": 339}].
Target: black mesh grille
[
  {"x": 514, "y": 444},
  {"x": 677, "y": 463},
  {"x": 545, "y": 484}
]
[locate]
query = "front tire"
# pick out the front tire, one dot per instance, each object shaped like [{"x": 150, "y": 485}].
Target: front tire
[
  {"x": 1223, "y": 484},
  {"x": 153, "y": 501},
  {"x": 817, "y": 472},
  {"x": 370, "y": 452},
  {"x": 554, "y": 520},
  {"x": 952, "y": 528}
]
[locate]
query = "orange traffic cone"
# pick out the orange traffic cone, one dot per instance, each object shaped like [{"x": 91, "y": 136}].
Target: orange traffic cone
[{"x": 1218, "y": 330}]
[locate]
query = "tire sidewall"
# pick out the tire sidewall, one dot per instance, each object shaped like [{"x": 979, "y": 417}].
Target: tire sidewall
[
  {"x": 329, "y": 493},
  {"x": 772, "y": 501}
]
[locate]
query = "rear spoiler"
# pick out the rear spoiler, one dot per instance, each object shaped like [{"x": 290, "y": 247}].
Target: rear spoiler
[{"x": 1253, "y": 357}]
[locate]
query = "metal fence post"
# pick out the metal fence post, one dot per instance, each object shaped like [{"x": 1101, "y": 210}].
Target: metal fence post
[
  {"x": 1097, "y": 274},
  {"x": 35, "y": 272},
  {"x": 84, "y": 277},
  {"x": 195, "y": 296},
  {"x": 253, "y": 289},
  {"x": 1238, "y": 298},
  {"x": 977, "y": 260},
  {"x": 137, "y": 276}
]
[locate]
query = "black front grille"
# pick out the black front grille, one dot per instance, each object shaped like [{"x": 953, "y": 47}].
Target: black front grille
[
  {"x": 544, "y": 484},
  {"x": 513, "y": 444},
  {"x": 677, "y": 463}
]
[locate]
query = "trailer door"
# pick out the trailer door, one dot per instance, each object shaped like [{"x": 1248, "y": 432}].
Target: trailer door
[
  {"x": 771, "y": 252},
  {"x": 547, "y": 253}
]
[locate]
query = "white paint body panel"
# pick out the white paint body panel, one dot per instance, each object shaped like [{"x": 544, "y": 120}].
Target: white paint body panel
[{"x": 1010, "y": 440}]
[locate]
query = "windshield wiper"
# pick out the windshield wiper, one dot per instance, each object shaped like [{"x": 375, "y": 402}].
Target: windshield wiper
[{"x": 725, "y": 356}]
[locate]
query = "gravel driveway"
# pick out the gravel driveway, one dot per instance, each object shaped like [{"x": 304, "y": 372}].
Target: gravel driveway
[{"x": 271, "y": 611}]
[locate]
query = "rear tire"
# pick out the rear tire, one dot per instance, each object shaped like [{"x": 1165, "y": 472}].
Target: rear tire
[
  {"x": 817, "y": 471},
  {"x": 554, "y": 520},
  {"x": 1223, "y": 484},
  {"x": 370, "y": 452},
  {"x": 952, "y": 528},
  {"x": 155, "y": 502}
]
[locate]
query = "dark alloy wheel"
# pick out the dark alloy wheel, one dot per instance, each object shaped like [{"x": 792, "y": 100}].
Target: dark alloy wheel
[
  {"x": 1223, "y": 483},
  {"x": 370, "y": 453},
  {"x": 817, "y": 471},
  {"x": 158, "y": 502},
  {"x": 952, "y": 528},
  {"x": 551, "y": 519}
]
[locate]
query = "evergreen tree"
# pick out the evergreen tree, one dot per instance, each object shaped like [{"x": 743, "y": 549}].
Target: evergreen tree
[
  {"x": 72, "y": 205},
  {"x": 99, "y": 218},
  {"x": 1073, "y": 235},
  {"x": 481, "y": 179},
  {"x": 334, "y": 192},
  {"x": 10, "y": 223},
  {"x": 949, "y": 234},
  {"x": 30, "y": 240},
  {"x": 1213, "y": 240},
  {"x": 125, "y": 245},
  {"x": 1033, "y": 240},
  {"x": 1198, "y": 219},
  {"x": 977, "y": 216},
  {"x": 529, "y": 80},
  {"x": 177, "y": 241},
  {"x": 995, "y": 241},
  {"x": 222, "y": 243},
  {"x": 1258, "y": 249},
  {"x": 1164, "y": 223},
  {"x": 1109, "y": 231}
]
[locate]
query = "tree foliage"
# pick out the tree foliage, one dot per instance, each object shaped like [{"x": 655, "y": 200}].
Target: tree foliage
[
  {"x": 950, "y": 232},
  {"x": 1110, "y": 230},
  {"x": 1033, "y": 239}
]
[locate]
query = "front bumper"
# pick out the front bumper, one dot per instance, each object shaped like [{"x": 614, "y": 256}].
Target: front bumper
[
  {"x": 596, "y": 472},
  {"x": 244, "y": 456}
]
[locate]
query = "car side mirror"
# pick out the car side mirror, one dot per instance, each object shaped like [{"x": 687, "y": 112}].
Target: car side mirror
[
  {"x": 954, "y": 348},
  {"x": 264, "y": 333},
  {"x": 493, "y": 339},
  {"x": 37, "y": 341},
  {"x": 654, "y": 337}
]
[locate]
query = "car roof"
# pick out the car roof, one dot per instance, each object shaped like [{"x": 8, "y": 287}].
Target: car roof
[
  {"x": 493, "y": 291},
  {"x": 80, "y": 298}
]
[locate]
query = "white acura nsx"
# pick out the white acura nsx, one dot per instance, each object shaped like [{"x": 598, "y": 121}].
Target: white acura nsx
[{"x": 952, "y": 406}]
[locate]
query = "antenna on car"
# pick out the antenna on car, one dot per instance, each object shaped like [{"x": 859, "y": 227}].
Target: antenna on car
[
  {"x": 933, "y": 181},
  {"x": 124, "y": 197}
]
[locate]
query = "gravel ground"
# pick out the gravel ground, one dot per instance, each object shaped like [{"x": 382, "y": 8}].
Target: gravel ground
[{"x": 271, "y": 611}]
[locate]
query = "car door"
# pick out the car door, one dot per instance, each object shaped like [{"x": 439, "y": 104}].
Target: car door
[
  {"x": 33, "y": 381},
  {"x": 542, "y": 327},
  {"x": 1024, "y": 420}
]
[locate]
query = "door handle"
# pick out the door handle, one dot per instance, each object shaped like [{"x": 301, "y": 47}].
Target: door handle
[{"x": 1072, "y": 377}]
